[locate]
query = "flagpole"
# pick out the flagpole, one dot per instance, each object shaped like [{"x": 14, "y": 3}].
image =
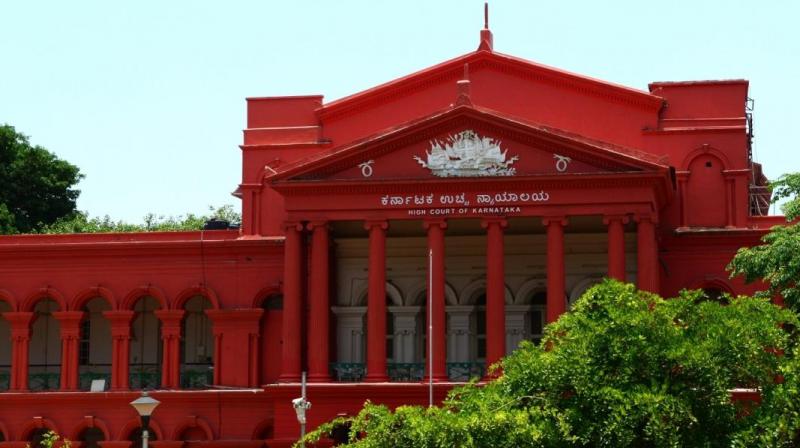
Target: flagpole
[{"x": 430, "y": 327}]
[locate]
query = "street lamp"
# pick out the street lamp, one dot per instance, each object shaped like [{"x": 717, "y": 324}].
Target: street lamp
[{"x": 145, "y": 405}]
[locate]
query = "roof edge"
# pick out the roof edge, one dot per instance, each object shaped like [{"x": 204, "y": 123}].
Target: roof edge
[{"x": 454, "y": 65}]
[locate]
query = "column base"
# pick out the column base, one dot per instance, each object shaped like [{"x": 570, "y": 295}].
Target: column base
[{"x": 289, "y": 378}]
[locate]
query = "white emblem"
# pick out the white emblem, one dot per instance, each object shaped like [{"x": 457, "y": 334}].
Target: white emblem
[
  {"x": 561, "y": 162},
  {"x": 467, "y": 155},
  {"x": 366, "y": 168}
]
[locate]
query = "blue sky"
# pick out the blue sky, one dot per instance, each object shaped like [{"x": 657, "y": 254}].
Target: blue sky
[{"x": 147, "y": 97}]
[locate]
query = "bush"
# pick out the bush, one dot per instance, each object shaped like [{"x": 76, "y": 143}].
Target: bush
[{"x": 624, "y": 368}]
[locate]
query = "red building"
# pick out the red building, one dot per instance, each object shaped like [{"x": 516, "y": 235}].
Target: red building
[{"x": 504, "y": 186}]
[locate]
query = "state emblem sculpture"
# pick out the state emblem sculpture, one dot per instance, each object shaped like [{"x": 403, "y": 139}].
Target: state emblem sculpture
[{"x": 467, "y": 154}]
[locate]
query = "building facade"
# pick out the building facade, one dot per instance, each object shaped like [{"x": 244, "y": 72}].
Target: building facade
[{"x": 422, "y": 227}]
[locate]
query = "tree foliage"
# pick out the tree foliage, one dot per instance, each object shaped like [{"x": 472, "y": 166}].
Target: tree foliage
[
  {"x": 624, "y": 368},
  {"x": 777, "y": 261},
  {"x": 80, "y": 222},
  {"x": 37, "y": 187}
]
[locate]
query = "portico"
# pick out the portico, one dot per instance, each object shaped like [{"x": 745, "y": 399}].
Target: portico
[{"x": 461, "y": 178}]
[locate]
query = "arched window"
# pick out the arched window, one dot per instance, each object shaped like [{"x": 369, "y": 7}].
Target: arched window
[
  {"x": 36, "y": 437},
  {"x": 197, "y": 345},
  {"x": 45, "y": 348},
  {"x": 538, "y": 316},
  {"x": 421, "y": 345},
  {"x": 5, "y": 347},
  {"x": 716, "y": 294},
  {"x": 94, "y": 350},
  {"x": 136, "y": 437},
  {"x": 389, "y": 331},
  {"x": 479, "y": 329},
  {"x": 145, "y": 355}
]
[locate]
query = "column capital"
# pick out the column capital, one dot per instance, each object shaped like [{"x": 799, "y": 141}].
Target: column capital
[
  {"x": 170, "y": 321},
  {"x": 608, "y": 219},
  {"x": 296, "y": 225},
  {"x": 19, "y": 319},
  {"x": 318, "y": 224},
  {"x": 380, "y": 223},
  {"x": 434, "y": 222},
  {"x": 119, "y": 317},
  {"x": 559, "y": 220},
  {"x": 646, "y": 217},
  {"x": 68, "y": 319},
  {"x": 496, "y": 220}
]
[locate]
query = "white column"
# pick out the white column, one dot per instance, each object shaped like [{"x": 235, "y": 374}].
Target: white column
[
  {"x": 405, "y": 332},
  {"x": 516, "y": 316},
  {"x": 350, "y": 333}
]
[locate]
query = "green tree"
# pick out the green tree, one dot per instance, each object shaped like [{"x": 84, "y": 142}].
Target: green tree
[
  {"x": 37, "y": 187},
  {"x": 624, "y": 368},
  {"x": 777, "y": 261},
  {"x": 80, "y": 222}
]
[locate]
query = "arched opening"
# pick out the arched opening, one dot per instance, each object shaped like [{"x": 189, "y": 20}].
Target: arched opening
[
  {"x": 94, "y": 350},
  {"x": 421, "y": 343},
  {"x": 271, "y": 338},
  {"x": 5, "y": 347},
  {"x": 389, "y": 332},
  {"x": 537, "y": 317},
  {"x": 90, "y": 437},
  {"x": 197, "y": 345},
  {"x": 36, "y": 437},
  {"x": 478, "y": 330},
  {"x": 716, "y": 294},
  {"x": 266, "y": 432},
  {"x": 580, "y": 289},
  {"x": 45, "y": 348},
  {"x": 193, "y": 434},
  {"x": 706, "y": 181},
  {"x": 136, "y": 437},
  {"x": 145, "y": 355}
]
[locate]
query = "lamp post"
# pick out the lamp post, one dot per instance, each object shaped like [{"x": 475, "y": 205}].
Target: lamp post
[{"x": 145, "y": 405}]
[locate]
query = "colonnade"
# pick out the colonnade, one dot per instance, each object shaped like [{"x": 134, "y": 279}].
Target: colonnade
[
  {"x": 319, "y": 301},
  {"x": 120, "y": 321}
]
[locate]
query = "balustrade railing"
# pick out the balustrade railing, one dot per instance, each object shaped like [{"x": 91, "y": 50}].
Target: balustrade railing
[
  {"x": 197, "y": 375},
  {"x": 405, "y": 371},
  {"x": 145, "y": 376},
  {"x": 43, "y": 377},
  {"x": 347, "y": 371},
  {"x": 89, "y": 373},
  {"x": 465, "y": 371}
]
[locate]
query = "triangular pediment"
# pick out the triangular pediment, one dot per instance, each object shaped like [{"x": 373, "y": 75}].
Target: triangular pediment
[
  {"x": 493, "y": 62},
  {"x": 469, "y": 142}
]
